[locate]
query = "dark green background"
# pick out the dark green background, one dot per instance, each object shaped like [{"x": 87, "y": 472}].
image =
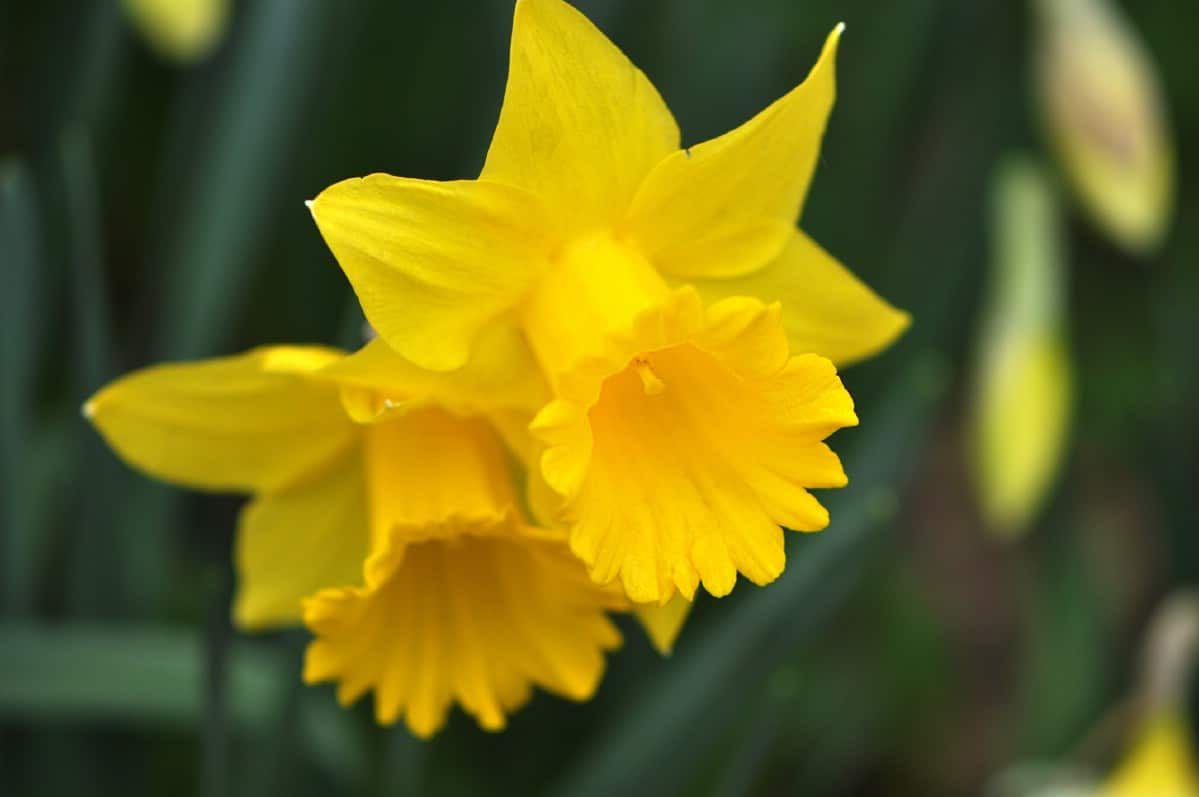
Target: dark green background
[{"x": 151, "y": 211}]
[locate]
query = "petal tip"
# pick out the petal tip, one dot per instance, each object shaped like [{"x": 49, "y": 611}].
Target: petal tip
[{"x": 831, "y": 44}]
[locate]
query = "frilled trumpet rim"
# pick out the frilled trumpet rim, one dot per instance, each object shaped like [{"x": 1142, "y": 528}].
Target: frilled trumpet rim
[
  {"x": 681, "y": 450},
  {"x": 476, "y": 619}
]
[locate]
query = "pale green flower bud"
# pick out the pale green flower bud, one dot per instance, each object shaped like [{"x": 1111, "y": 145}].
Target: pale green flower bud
[
  {"x": 1104, "y": 115},
  {"x": 1023, "y": 385}
]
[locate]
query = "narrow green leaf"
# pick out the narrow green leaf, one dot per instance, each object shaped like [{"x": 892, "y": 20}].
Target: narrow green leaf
[
  {"x": 93, "y": 332},
  {"x": 214, "y": 771},
  {"x": 156, "y": 677},
  {"x": 19, "y": 336},
  {"x": 1066, "y": 663},
  {"x": 95, "y": 551},
  {"x": 146, "y": 675},
  {"x": 679, "y": 713},
  {"x": 332, "y": 739},
  {"x": 237, "y": 166}
]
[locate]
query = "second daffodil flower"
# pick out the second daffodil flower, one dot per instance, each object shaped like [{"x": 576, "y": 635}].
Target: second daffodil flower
[
  {"x": 462, "y": 599},
  {"x": 687, "y": 329}
]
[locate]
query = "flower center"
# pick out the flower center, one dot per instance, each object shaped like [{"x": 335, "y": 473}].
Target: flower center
[
  {"x": 651, "y": 383},
  {"x": 594, "y": 290}
]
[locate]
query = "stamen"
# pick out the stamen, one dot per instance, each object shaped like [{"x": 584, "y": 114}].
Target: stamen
[{"x": 649, "y": 378}]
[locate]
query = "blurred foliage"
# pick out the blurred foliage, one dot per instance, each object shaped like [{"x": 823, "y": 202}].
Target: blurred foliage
[{"x": 154, "y": 210}]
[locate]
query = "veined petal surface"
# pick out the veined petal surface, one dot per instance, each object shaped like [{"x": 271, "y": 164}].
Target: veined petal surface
[
  {"x": 472, "y": 620},
  {"x": 435, "y": 474},
  {"x": 581, "y": 126},
  {"x": 826, "y": 310},
  {"x": 433, "y": 263},
  {"x": 293, "y": 543},
  {"x": 726, "y": 207},
  {"x": 252, "y": 422}
]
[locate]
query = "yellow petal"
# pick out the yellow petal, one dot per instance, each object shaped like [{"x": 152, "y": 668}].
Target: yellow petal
[
  {"x": 1104, "y": 113},
  {"x": 826, "y": 309},
  {"x": 475, "y": 621},
  {"x": 1161, "y": 763},
  {"x": 295, "y": 542},
  {"x": 184, "y": 30},
  {"x": 685, "y": 473},
  {"x": 726, "y": 207},
  {"x": 432, "y": 263},
  {"x": 437, "y": 473},
  {"x": 1023, "y": 383},
  {"x": 663, "y": 623},
  {"x": 250, "y": 422},
  {"x": 500, "y": 375},
  {"x": 580, "y": 126}
]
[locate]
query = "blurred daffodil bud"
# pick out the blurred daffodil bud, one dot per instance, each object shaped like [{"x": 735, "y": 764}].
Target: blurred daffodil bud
[
  {"x": 1023, "y": 385},
  {"x": 1161, "y": 761},
  {"x": 182, "y": 30},
  {"x": 1104, "y": 115}
]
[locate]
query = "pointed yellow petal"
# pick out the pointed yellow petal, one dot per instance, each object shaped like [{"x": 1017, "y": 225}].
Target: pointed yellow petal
[
  {"x": 475, "y": 621},
  {"x": 687, "y": 479},
  {"x": 432, "y": 263},
  {"x": 436, "y": 473},
  {"x": 250, "y": 422},
  {"x": 500, "y": 375},
  {"x": 726, "y": 207},
  {"x": 663, "y": 623},
  {"x": 826, "y": 309},
  {"x": 580, "y": 125},
  {"x": 293, "y": 543}
]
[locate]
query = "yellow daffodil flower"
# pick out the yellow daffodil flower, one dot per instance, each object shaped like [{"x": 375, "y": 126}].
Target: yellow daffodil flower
[
  {"x": 680, "y": 318},
  {"x": 368, "y": 458}
]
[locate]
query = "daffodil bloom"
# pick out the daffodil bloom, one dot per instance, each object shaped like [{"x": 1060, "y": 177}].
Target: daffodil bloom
[
  {"x": 368, "y": 458},
  {"x": 680, "y": 317}
]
